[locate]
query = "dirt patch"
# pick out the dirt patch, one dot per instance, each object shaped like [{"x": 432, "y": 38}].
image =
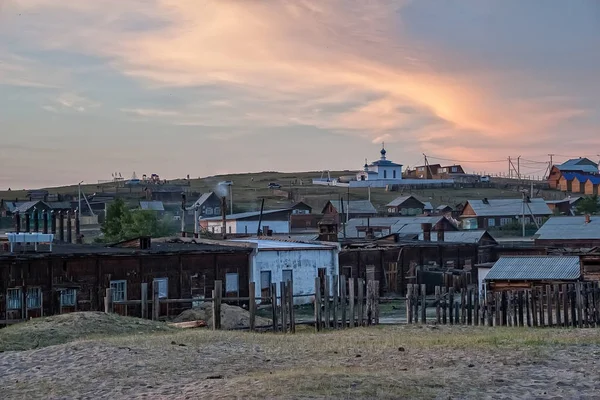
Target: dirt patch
[
  {"x": 58, "y": 329},
  {"x": 232, "y": 317},
  {"x": 415, "y": 362}
]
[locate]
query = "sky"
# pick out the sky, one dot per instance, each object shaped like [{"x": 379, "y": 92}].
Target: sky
[{"x": 205, "y": 87}]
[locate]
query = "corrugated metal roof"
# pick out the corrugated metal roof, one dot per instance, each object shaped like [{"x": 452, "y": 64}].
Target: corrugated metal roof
[
  {"x": 574, "y": 164},
  {"x": 570, "y": 228},
  {"x": 152, "y": 205},
  {"x": 399, "y": 200},
  {"x": 266, "y": 244},
  {"x": 201, "y": 200},
  {"x": 246, "y": 215},
  {"x": 535, "y": 268},
  {"x": 508, "y": 207},
  {"x": 471, "y": 236},
  {"x": 356, "y": 206},
  {"x": 401, "y": 225},
  {"x": 428, "y": 205}
]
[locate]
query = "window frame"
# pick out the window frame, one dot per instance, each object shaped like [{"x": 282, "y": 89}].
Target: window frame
[
  {"x": 166, "y": 287},
  {"x": 68, "y": 293},
  {"x": 12, "y": 299},
  {"x": 34, "y": 293},
  {"x": 114, "y": 290}
]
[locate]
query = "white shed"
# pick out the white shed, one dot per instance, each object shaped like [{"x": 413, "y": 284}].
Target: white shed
[{"x": 274, "y": 261}]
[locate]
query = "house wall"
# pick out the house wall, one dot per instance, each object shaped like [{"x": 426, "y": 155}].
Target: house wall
[
  {"x": 574, "y": 244},
  {"x": 409, "y": 207},
  {"x": 481, "y": 274},
  {"x": 591, "y": 189},
  {"x": 554, "y": 177},
  {"x": 188, "y": 275},
  {"x": 304, "y": 263}
]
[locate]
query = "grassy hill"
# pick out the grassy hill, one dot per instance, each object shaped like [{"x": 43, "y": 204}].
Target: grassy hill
[{"x": 250, "y": 188}]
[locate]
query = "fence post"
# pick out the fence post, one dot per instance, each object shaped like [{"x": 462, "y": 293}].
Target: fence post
[
  {"x": 336, "y": 288},
  {"x": 528, "y": 307},
  {"x": 369, "y": 302},
  {"x": 534, "y": 306},
  {"x": 438, "y": 315},
  {"x": 557, "y": 304},
  {"x": 573, "y": 300},
  {"x": 282, "y": 306},
  {"x": 476, "y": 307},
  {"x": 343, "y": 301},
  {"x": 155, "y": 301},
  {"x": 274, "y": 304},
  {"x": 376, "y": 301},
  {"x": 144, "y": 297},
  {"x": 515, "y": 307},
  {"x": 586, "y": 304},
  {"x": 520, "y": 309},
  {"x": 317, "y": 304},
  {"x": 416, "y": 299},
  {"x": 108, "y": 303},
  {"x": 565, "y": 299},
  {"x": 451, "y": 305},
  {"x": 580, "y": 304},
  {"x": 509, "y": 308},
  {"x": 470, "y": 306},
  {"x": 540, "y": 293},
  {"x": 409, "y": 307},
  {"x": 361, "y": 301},
  {"x": 423, "y": 303},
  {"x": 252, "y": 306},
  {"x": 216, "y": 306},
  {"x": 597, "y": 303},
  {"x": 549, "y": 299},
  {"x": 463, "y": 304},
  {"x": 351, "y": 301},
  {"x": 444, "y": 306},
  {"x": 290, "y": 287},
  {"x": 326, "y": 301}
]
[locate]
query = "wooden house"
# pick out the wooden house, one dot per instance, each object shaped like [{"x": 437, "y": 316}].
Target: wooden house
[
  {"x": 509, "y": 273},
  {"x": 75, "y": 277},
  {"x": 405, "y": 205},
  {"x": 582, "y": 231},
  {"x": 591, "y": 185},
  {"x": 583, "y": 166},
  {"x": 342, "y": 211},
  {"x": 578, "y": 185},
  {"x": 492, "y": 213}
]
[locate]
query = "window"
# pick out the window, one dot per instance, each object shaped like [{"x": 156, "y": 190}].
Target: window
[
  {"x": 14, "y": 298},
  {"x": 217, "y": 211},
  {"x": 454, "y": 169},
  {"x": 232, "y": 283},
  {"x": 118, "y": 290},
  {"x": 34, "y": 297},
  {"x": 163, "y": 287},
  {"x": 394, "y": 174},
  {"x": 208, "y": 211},
  {"x": 265, "y": 283},
  {"x": 384, "y": 174},
  {"x": 491, "y": 221},
  {"x": 229, "y": 228},
  {"x": 505, "y": 221},
  {"x": 287, "y": 275},
  {"x": 68, "y": 297}
]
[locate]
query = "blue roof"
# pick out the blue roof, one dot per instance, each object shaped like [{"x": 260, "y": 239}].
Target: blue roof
[
  {"x": 569, "y": 176},
  {"x": 579, "y": 165}
]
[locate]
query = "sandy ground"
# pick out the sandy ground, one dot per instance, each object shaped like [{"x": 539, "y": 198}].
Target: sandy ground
[{"x": 380, "y": 362}]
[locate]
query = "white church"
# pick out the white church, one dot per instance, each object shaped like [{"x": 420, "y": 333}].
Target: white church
[{"x": 381, "y": 170}]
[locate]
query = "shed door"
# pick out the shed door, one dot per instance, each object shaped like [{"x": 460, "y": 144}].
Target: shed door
[{"x": 265, "y": 283}]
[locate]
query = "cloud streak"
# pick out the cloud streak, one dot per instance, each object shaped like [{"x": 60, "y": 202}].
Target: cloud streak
[{"x": 413, "y": 72}]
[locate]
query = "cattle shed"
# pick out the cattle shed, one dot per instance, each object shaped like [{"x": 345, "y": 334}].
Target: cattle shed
[
  {"x": 276, "y": 261},
  {"x": 509, "y": 273},
  {"x": 75, "y": 277}
]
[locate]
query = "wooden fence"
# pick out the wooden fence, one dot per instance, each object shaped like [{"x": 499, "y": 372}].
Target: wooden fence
[{"x": 576, "y": 305}]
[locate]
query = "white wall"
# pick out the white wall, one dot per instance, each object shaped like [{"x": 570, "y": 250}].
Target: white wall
[
  {"x": 481, "y": 274},
  {"x": 304, "y": 263}
]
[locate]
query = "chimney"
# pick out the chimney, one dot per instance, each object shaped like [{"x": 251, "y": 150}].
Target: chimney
[
  {"x": 426, "y": 227},
  {"x": 45, "y": 222},
  {"x": 224, "y": 216},
  {"x": 588, "y": 218},
  {"x": 440, "y": 234},
  {"x": 485, "y": 200},
  {"x": 36, "y": 220},
  {"x": 17, "y": 222},
  {"x": 27, "y": 218},
  {"x": 69, "y": 228},
  {"x": 61, "y": 226}
]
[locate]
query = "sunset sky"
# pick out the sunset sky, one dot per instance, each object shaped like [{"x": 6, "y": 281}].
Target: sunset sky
[{"x": 204, "y": 87}]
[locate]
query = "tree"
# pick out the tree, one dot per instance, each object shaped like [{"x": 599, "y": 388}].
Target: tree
[
  {"x": 123, "y": 224},
  {"x": 589, "y": 205}
]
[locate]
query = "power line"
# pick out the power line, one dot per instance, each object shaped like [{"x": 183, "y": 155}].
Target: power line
[{"x": 466, "y": 161}]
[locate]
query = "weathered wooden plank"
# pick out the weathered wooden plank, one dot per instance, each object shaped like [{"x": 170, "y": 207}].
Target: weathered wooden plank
[
  {"x": 580, "y": 316},
  {"x": 549, "y": 302},
  {"x": 326, "y": 303},
  {"x": 108, "y": 303},
  {"x": 489, "y": 309},
  {"x": 361, "y": 301},
  {"x": 520, "y": 308},
  {"x": 155, "y": 301},
  {"x": 463, "y": 305},
  {"x": 252, "y": 306},
  {"x": 343, "y": 301},
  {"x": 423, "y": 303},
  {"x": 535, "y": 307},
  {"x": 274, "y": 307},
  {"x": 317, "y": 304},
  {"x": 438, "y": 314},
  {"x": 335, "y": 287},
  {"x": 351, "y": 302},
  {"x": 508, "y": 308},
  {"x": 565, "y": 299},
  {"x": 144, "y": 302},
  {"x": 451, "y": 305},
  {"x": 292, "y": 316},
  {"x": 556, "y": 301},
  {"x": 189, "y": 324},
  {"x": 444, "y": 305},
  {"x": 376, "y": 302},
  {"x": 528, "y": 307},
  {"x": 409, "y": 306},
  {"x": 283, "y": 306},
  {"x": 470, "y": 307},
  {"x": 498, "y": 309}
]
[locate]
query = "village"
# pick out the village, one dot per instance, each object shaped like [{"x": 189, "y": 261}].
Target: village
[{"x": 487, "y": 245}]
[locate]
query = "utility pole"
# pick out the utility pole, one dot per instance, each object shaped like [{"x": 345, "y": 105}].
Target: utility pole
[
  {"x": 509, "y": 168},
  {"x": 348, "y": 204},
  {"x": 231, "y": 198},
  {"x": 519, "y": 167},
  {"x": 523, "y": 212}
]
